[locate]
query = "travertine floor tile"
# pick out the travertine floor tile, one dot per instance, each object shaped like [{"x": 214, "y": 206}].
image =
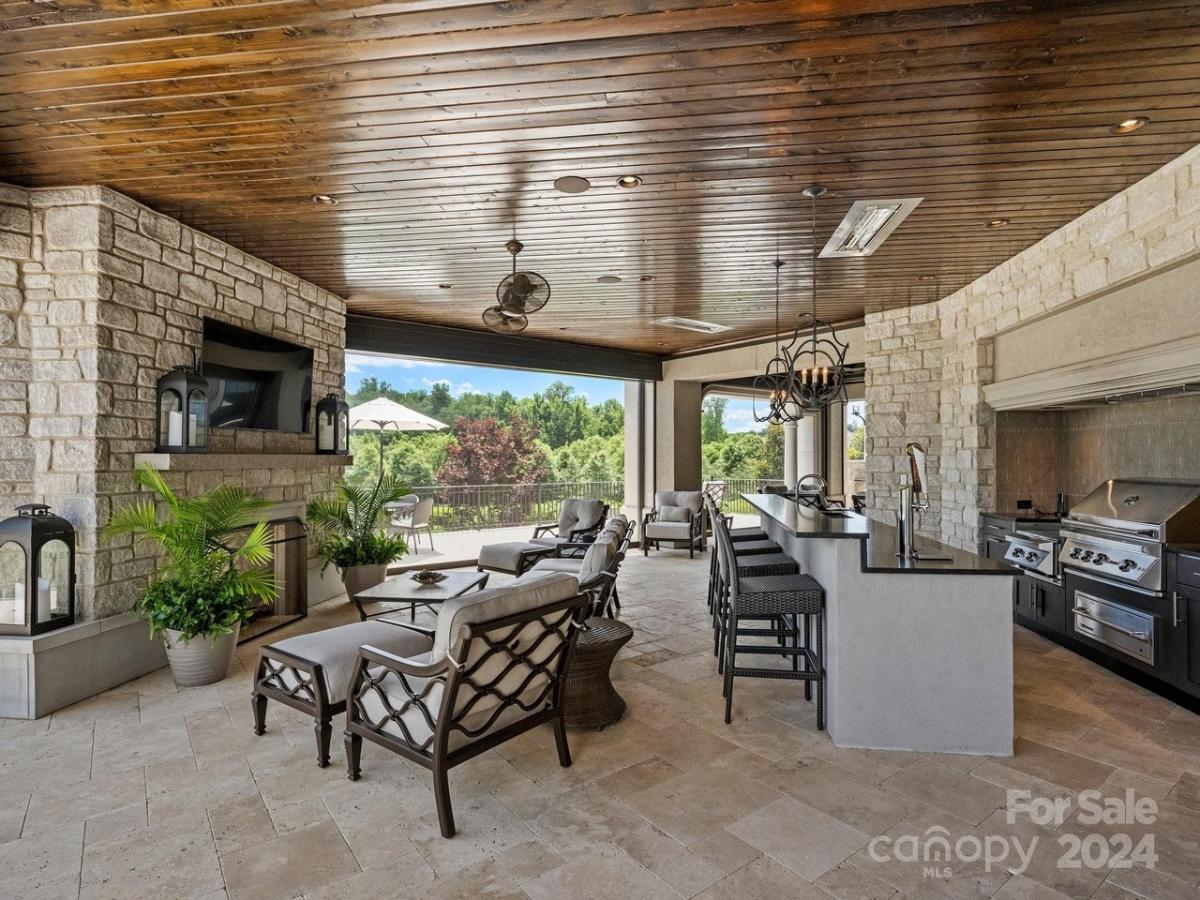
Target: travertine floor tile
[
  {"x": 289, "y": 865},
  {"x": 150, "y": 790}
]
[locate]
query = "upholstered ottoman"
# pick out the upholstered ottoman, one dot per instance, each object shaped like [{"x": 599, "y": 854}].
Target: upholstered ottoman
[
  {"x": 513, "y": 557},
  {"x": 311, "y": 672}
]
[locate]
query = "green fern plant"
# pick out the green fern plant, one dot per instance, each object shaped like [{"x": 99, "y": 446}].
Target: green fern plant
[
  {"x": 350, "y": 525},
  {"x": 208, "y": 582}
]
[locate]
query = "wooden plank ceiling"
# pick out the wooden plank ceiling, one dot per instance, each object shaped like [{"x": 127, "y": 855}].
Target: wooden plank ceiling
[{"x": 440, "y": 125}]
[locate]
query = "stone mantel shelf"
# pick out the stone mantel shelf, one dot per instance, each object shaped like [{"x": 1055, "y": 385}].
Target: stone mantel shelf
[{"x": 207, "y": 462}]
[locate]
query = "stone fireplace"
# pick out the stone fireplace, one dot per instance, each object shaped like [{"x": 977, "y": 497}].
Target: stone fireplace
[{"x": 99, "y": 296}]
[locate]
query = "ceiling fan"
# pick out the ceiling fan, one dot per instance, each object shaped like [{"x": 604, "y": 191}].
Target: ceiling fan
[{"x": 517, "y": 295}]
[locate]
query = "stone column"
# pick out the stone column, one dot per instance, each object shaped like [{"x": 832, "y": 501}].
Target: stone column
[{"x": 790, "y": 472}]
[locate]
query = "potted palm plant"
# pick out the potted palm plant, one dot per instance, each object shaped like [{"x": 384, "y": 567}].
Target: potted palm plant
[
  {"x": 212, "y": 576},
  {"x": 351, "y": 536}
]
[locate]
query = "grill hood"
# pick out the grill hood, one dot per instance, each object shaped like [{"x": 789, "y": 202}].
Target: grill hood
[{"x": 1166, "y": 510}]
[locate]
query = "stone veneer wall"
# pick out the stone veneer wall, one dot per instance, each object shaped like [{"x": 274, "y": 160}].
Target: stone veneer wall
[
  {"x": 99, "y": 296},
  {"x": 944, "y": 349}
]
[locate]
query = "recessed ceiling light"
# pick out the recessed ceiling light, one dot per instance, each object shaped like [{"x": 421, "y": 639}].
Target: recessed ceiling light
[
  {"x": 928, "y": 277},
  {"x": 662, "y": 343},
  {"x": 996, "y": 223},
  {"x": 324, "y": 200},
  {"x": 445, "y": 287},
  {"x": 629, "y": 181},
  {"x": 609, "y": 279},
  {"x": 646, "y": 278},
  {"x": 571, "y": 184},
  {"x": 1129, "y": 126}
]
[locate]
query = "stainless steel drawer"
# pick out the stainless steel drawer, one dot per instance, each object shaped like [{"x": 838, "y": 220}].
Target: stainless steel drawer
[{"x": 1129, "y": 631}]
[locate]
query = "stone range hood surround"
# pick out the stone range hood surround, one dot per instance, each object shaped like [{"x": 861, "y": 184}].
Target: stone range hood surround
[
  {"x": 1169, "y": 365},
  {"x": 929, "y": 366}
]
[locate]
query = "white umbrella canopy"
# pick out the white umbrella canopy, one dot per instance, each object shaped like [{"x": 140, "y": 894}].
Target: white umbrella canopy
[{"x": 384, "y": 414}]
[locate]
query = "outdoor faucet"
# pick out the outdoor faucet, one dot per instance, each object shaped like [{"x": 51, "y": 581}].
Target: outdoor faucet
[
  {"x": 912, "y": 500},
  {"x": 820, "y": 492}
]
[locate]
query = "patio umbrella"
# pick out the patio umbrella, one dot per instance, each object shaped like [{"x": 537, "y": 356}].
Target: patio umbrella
[{"x": 383, "y": 415}]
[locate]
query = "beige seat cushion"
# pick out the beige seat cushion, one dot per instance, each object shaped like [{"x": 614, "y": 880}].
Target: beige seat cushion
[
  {"x": 668, "y": 531},
  {"x": 336, "y": 649},
  {"x": 505, "y": 557},
  {"x": 553, "y": 564}
]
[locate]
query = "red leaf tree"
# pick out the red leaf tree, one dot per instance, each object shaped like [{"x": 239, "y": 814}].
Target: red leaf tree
[{"x": 487, "y": 451}]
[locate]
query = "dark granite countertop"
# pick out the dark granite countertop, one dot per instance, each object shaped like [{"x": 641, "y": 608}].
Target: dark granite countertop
[
  {"x": 1193, "y": 549},
  {"x": 1027, "y": 516},
  {"x": 878, "y": 540}
]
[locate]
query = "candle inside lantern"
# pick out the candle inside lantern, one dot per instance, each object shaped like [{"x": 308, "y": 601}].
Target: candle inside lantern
[
  {"x": 175, "y": 428},
  {"x": 44, "y": 600},
  {"x": 325, "y": 429},
  {"x": 18, "y": 604}
]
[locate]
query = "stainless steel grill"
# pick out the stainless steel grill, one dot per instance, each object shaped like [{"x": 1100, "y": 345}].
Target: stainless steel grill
[{"x": 1118, "y": 532}]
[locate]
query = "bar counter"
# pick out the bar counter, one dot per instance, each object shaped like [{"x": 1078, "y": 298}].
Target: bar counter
[{"x": 920, "y": 662}]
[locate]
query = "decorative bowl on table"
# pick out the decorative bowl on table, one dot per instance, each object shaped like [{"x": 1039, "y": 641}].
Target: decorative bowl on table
[{"x": 427, "y": 577}]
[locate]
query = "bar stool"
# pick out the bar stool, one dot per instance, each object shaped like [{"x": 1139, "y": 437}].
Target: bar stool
[
  {"x": 753, "y": 542},
  {"x": 793, "y": 603}
]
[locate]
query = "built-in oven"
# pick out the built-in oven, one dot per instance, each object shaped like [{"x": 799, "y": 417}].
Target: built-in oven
[{"x": 1127, "y": 623}]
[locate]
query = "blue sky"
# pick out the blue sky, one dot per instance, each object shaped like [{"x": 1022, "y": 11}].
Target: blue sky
[{"x": 414, "y": 374}]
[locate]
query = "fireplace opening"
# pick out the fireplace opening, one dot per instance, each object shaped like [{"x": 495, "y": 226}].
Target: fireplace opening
[{"x": 289, "y": 541}]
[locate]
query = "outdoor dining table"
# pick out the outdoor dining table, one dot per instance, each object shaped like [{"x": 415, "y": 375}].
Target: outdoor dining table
[{"x": 403, "y": 589}]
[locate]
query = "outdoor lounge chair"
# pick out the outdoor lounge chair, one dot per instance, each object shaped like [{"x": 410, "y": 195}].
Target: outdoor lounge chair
[
  {"x": 495, "y": 671},
  {"x": 577, "y": 517},
  {"x": 678, "y": 517}
]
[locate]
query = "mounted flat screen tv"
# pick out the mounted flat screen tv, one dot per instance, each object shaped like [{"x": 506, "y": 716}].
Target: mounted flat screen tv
[{"x": 255, "y": 381}]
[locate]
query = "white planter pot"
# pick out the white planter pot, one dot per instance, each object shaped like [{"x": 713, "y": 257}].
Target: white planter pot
[
  {"x": 200, "y": 660},
  {"x": 359, "y": 578}
]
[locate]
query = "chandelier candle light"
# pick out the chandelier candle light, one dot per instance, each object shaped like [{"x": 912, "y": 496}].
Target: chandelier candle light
[{"x": 809, "y": 373}]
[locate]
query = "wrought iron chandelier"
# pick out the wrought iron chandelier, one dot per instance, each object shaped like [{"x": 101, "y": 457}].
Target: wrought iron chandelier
[{"x": 808, "y": 373}]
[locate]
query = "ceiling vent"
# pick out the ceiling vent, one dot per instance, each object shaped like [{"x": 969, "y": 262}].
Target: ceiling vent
[
  {"x": 692, "y": 325},
  {"x": 867, "y": 225}
]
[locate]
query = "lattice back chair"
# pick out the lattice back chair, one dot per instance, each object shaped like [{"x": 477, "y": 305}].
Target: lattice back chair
[
  {"x": 602, "y": 584},
  {"x": 790, "y": 604},
  {"x": 496, "y": 669}
]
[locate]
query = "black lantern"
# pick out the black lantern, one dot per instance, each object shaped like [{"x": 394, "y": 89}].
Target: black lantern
[
  {"x": 333, "y": 425},
  {"x": 37, "y": 571},
  {"x": 181, "y": 425}
]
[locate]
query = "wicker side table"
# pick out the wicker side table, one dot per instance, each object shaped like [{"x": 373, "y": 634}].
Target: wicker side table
[{"x": 589, "y": 698}]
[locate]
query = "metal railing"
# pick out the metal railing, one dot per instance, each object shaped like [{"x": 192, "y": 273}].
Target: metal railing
[
  {"x": 463, "y": 507},
  {"x": 734, "y": 488}
]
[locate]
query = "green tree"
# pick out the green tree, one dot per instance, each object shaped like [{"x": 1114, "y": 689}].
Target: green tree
[
  {"x": 712, "y": 419},
  {"x": 856, "y": 445},
  {"x": 770, "y": 464},
  {"x": 559, "y": 414}
]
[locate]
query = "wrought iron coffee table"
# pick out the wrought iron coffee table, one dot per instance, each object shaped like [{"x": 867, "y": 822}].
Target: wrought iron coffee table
[{"x": 402, "y": 589}]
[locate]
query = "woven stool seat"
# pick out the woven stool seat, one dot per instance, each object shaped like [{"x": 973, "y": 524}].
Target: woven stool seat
[
  {"x": 749, "y": 533},
  {"x": 589, "y": 699},
  {"x": 780, "y": 595},
  {"x": 749, "y": 548},
  {"x": 766, "y": 564}
]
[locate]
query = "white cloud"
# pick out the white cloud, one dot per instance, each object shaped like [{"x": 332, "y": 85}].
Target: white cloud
[
  {"x": 741, "y": 418},
  {"x": 457, "y": 390},
  {"x": 360, "y": 362}
]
